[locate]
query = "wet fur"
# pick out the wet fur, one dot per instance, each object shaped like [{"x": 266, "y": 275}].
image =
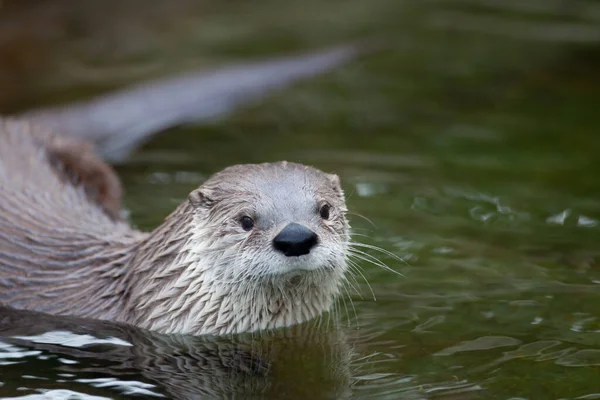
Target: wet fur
[
  {"x": 64, "y": 251},
  {"x": 60, "y": 252},
  {"x": 220, "y": 279}
]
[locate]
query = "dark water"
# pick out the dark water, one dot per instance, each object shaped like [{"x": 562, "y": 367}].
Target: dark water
[{"x": 471, "y": 146}]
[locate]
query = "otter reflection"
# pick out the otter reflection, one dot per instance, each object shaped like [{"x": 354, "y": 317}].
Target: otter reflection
[{"x": 299, "y": 362}]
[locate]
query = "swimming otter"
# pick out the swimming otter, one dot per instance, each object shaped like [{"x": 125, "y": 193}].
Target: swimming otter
[{"x": 255, "y": 247}]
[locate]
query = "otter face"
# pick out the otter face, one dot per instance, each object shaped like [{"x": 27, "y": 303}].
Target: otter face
[{"x": 272, "y": 221}]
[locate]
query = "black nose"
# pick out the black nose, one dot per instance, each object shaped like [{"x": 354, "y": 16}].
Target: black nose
[{"x": 295, "y": 240}]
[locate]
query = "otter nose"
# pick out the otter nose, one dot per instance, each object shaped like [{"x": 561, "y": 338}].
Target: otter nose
[{"x": 295, "y": 240}]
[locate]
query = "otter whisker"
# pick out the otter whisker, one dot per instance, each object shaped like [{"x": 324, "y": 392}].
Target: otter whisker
[
  {"x": 351, "y": 275},
  {"x": 354, "y": 229},
  {"x": 352, "y": 286},
  {"x": 363, "y": 217},
  {"x": 330, "y": 312},
  {"x": 342, "y": 298},
  {"x": 373, "y": 260},
  {"x": 354, "y": 266},
  {"x": 353, "y": 252},
  {"x": 351, "y": 303},
  {"x": 379, "y": 249},
  {"x": 316, "y": 323},
  {"x": 352, "y": 234},
  {"x": 336, "y": 314}
]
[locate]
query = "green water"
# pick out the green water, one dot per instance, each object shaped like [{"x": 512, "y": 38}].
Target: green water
[{"x": 471, "y": 148}]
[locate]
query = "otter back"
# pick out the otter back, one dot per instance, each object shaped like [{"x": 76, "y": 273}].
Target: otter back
[{"x": 59, "y": 227}]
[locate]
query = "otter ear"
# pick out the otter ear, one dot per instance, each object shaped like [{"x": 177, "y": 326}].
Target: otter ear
[
  {"x": 334, "y": 181},
  {"x": 200, "y": 198}
]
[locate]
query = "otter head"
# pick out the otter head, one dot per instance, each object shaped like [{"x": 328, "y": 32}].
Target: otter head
[
  {"x": 266, "y": 246},
  {"x": 273, "y": 222}
]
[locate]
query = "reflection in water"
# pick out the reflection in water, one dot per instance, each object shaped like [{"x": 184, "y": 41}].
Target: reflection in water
[{"x": 95, "y": 356}]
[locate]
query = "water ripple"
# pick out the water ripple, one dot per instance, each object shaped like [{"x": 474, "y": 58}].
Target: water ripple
[
  {"x": 581, "y": 358},
  {"x": 69, "y": 339},
  {"x": 482, "y": 343},
  {"x": 58, "y": 394}
]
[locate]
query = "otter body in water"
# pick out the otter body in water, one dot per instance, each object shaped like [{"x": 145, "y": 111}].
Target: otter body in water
[{"x": 255, "y": 247}]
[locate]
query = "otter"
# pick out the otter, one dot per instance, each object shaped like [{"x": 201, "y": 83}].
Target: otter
[{"x": 255, "y": 247}]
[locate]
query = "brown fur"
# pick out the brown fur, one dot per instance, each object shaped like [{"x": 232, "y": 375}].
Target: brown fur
[
  {"x": 76, "y": 158},
  {"x": 60, "y": 252},
  {"x": 64, "y": 251}
]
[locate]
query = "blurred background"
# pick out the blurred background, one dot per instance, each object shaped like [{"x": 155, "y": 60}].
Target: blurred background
[{"x": 470, "y": 145}]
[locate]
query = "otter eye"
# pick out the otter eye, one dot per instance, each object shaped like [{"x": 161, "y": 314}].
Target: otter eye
[
  {"x": 324, "y": 211},
  {"x": 247, "y": 223}
]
